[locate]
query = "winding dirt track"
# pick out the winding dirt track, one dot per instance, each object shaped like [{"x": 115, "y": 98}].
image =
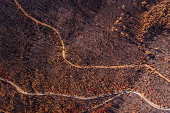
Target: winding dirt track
[
  {"x": 77, "y": 66},
  {"x": 88, "y": 98}
]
